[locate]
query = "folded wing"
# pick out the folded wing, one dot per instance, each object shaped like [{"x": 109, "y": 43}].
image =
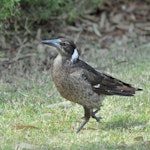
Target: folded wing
[{"x": 103, "y": 83}]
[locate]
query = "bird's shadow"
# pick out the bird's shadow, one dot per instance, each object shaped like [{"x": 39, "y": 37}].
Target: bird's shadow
[{"x": 123, "y": 123}]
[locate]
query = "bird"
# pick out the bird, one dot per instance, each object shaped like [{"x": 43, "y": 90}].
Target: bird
[{"x": 80, "y": 83}]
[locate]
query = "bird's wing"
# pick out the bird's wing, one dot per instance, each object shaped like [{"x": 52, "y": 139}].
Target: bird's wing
[{"x": 101, "y": 82}]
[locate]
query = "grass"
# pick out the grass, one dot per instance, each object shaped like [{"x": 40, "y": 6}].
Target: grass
[{"x": 26, "y": 121}]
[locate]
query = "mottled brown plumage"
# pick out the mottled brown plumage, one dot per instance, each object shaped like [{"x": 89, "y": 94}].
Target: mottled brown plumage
[{"x": 80, "y": 83}]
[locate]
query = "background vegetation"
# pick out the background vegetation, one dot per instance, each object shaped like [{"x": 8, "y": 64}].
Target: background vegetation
[{"x": 39, "y": 11}]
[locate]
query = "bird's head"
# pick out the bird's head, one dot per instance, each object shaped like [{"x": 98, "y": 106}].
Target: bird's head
[{"x": 65, "y": 47}]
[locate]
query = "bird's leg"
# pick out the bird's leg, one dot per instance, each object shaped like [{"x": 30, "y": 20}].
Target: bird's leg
[
  {"x": 95, "y": 117},
  {"x": 87, "y": 116}
]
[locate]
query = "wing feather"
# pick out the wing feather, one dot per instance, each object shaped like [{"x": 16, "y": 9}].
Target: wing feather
[{"x": 103, "y": 83}]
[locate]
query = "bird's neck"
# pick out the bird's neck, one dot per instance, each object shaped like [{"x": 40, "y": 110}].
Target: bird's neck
[
  {"x": 60, "y": 68},
  {"x": 59, "y": 62}
]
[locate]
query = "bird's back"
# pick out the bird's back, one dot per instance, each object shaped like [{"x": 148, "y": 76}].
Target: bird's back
[{"x": 105, "y": 84}]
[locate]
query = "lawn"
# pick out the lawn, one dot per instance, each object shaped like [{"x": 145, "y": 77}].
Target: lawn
[{"x": 29, "y": 120}]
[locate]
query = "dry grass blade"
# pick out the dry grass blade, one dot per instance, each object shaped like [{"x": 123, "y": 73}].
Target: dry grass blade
[
  {"x": 19, "y": 127},
  {"x": 65, "y": 104}
]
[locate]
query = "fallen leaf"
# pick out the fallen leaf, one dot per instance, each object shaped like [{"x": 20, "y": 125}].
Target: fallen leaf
[
  {"x": 139, "y": 138},
  {"x": 19, "y": 127},
  {"x": 89, "y": 128}
]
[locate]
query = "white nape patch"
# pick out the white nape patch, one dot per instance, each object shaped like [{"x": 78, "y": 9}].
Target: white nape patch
[
  {"x": 74, "y": 56},
  {"x": 97, "y": 86}
]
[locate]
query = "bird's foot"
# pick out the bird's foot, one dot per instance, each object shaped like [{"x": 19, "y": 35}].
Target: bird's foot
[
  {"x": 93, "y": 115},
  {"x": 97, "y": 118},
  {"x": 86, "y": 118},
  {"x": 82, "y": 125}
]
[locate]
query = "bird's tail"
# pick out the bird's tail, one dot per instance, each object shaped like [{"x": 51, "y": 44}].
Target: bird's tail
[
  {"x": 113, "y": 86},
  {"x": 129, "y": 92}
]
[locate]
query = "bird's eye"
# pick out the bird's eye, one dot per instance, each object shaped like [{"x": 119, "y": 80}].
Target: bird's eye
[{"x": 63, "y": 44}]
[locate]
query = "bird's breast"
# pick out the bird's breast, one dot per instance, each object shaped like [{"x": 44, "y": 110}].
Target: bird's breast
[
  {"x": 60, "y": 75},
  {"x": 73, "y": 86}
]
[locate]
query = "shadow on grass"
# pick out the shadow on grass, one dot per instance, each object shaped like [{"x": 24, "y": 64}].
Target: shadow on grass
[{"x": 123, "y": 123}]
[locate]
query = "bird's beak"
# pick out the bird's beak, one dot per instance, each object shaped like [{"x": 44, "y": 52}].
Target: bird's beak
[{"x": 53, "y": 42}]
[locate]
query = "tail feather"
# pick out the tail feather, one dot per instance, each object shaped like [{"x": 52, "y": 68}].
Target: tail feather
[
  {"x": 138, "y": 89},
  {"x": 113, "y": 86},
  {"x": 124, "y": 90},
  {"x": 121, "y": 93}
]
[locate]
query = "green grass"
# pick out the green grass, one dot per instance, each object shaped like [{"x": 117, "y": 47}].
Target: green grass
[{"x": 26, "y": 122}]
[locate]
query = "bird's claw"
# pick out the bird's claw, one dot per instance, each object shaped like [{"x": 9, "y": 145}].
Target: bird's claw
[
  {"x": 93, "y": 115},
  {"x": 97, "y": 118}
]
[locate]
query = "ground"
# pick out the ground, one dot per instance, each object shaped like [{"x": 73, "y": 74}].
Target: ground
[
  {"x": 29, "y": 120},
  {"x": 32, "y": 115}
]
